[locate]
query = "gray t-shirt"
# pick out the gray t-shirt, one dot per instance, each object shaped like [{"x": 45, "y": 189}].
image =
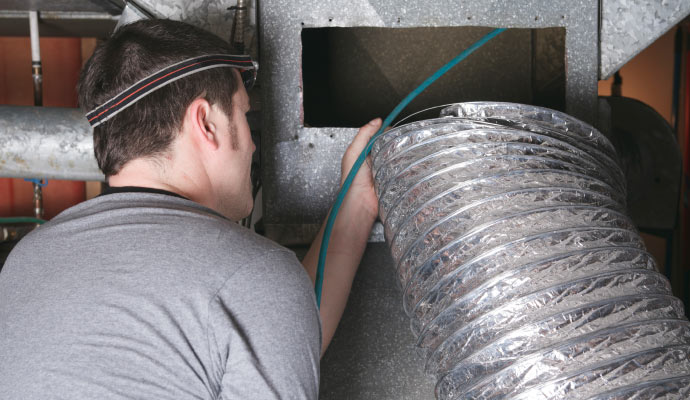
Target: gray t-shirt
[{"x": 150, "y": 296}]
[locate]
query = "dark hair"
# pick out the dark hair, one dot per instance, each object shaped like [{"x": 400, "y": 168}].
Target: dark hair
[{"x": 149, "y": 126}]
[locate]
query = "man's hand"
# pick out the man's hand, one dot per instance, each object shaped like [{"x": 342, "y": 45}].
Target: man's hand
[{"x": 362, "y": 189}]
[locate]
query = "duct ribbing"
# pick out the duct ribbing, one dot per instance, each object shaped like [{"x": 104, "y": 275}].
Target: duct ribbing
[{"x": 521, "y": 273}]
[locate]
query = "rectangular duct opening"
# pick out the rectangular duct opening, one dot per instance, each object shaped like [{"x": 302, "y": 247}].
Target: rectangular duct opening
[{"x": 351, "y": 75}]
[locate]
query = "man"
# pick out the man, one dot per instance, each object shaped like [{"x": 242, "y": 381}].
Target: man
[{"x": 151, "y": 290}]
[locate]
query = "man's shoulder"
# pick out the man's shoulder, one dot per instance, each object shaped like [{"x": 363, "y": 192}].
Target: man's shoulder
[
  {"x": 242, "y": 243},
  {"x": 156, "y": 227}
]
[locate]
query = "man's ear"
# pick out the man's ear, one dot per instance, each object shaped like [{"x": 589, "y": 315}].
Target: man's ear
[{"x": 199, "y": 118}]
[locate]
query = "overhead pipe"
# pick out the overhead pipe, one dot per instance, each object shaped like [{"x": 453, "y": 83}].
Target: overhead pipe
[
  {"x": 521, "y": 274},
  {"x": 46, "y": 143},
  {"x": 36, "y": 68}
]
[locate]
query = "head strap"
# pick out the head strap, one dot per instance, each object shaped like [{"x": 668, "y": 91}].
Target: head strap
[{"x": 161, "y": 78}]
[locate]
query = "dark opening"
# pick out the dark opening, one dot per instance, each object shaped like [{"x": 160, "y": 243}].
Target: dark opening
[{"x": 352, "y": 75}]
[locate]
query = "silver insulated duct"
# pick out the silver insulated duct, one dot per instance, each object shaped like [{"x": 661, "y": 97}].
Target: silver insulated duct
[{"x": 521, "y": 274}]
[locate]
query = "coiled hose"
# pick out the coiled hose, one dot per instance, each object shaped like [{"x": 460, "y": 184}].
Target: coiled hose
[{"x": 521, "y": 274}]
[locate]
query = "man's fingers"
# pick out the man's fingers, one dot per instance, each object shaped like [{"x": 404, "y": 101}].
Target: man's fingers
[{"x": 365, "y": 133}]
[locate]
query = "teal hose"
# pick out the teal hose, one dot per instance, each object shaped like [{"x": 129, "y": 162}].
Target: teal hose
[
  {"x": 21, "y": 220},
  {"x": 363, "y": 155}
]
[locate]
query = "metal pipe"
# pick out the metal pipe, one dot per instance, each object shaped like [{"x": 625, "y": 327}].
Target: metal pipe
[
  {"x": 46, "y": 143},
  {"x": 239, "y": 23},
  {"x": 37, "y": 75},
  {"x": 521, "y": 275},
  {"x": 36, "y": 69},
  {"x": 38, "y": 199}
]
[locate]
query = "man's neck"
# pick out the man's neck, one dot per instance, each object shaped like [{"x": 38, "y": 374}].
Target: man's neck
[
  {"x": 150, "y": 174},
  {"x": 138, "y": 189}
]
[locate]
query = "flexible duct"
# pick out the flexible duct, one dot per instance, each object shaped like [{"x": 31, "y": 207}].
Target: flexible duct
[{"x": 521, "y": 274}]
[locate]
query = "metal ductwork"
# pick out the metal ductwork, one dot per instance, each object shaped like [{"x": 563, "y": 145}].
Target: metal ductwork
[
  {"x": 521, "y": 274},
  {"x": 628, "y": 26}
]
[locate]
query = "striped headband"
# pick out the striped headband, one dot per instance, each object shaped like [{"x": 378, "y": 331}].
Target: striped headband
[{"x": 169, "y": 74}]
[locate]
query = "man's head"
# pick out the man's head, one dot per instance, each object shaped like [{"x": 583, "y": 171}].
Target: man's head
[
  {"x": 150, "y": 129},
  {"x": 149, "y": 126}
]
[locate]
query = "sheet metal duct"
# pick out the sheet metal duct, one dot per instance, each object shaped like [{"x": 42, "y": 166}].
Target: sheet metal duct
[
  {"x": 300, "y": 179},
  {"x": 629, "y": 26}
]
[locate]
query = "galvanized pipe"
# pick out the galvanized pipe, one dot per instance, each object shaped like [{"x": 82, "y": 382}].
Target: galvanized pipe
[
  {"x": 46, "y": 143},
  {"x": 521, "y": 275}
]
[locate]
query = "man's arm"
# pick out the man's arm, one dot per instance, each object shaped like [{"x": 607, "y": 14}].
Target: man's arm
[{"x": 348, "y": 238}]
